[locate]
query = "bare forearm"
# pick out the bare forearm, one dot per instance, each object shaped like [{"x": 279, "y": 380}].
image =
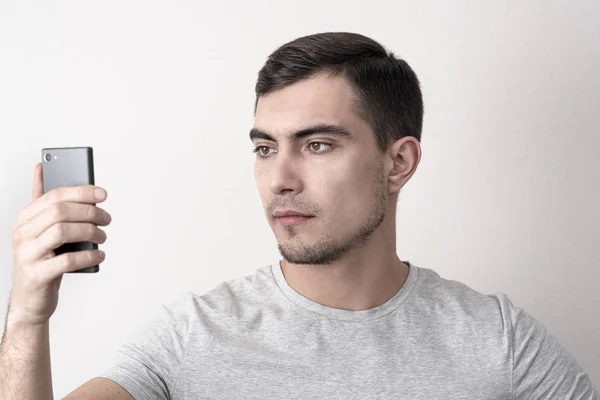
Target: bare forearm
[{"x": 25, "y": 371}]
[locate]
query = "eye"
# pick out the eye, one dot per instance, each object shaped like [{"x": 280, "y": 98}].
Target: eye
[
  {"x": 320, "y": 143},
  {"x": 262, "y": 154},
  {"x": 259, "y": 153}
]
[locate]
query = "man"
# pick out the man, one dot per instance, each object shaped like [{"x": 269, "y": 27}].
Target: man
[{"x": 337, "y": 134}]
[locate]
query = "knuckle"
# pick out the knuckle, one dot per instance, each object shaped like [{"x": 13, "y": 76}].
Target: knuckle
[
  {"x": 91, "y": 213},
  {"x": 83, "y": 258},
  {"x": 82, "y": 192},
  {"x": 22, "y": 253},
  {"x": 17, "y": 235},
  {"x": 62, "y": 228},
  {"x": 65, "y": 260},
  {"x": 57, "y": 211},
  {"x": 52, "y": 196},
  {"x": 60, "y": 232},
  {"x": 72, "y": 258}
]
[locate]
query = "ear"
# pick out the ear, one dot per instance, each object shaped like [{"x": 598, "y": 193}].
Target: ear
[{"x": 403, "y": 157}]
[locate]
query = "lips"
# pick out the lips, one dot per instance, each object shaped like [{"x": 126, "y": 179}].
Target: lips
[
  {"x": 289, "y": 213},
  {"x": 292, "y": 219}
]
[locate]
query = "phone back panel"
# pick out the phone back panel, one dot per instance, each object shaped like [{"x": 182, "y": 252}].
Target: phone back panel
[{"x": 69, "y": 166}]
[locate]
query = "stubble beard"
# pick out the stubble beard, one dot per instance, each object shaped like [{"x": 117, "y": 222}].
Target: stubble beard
[{"x": 326, "y": 250}]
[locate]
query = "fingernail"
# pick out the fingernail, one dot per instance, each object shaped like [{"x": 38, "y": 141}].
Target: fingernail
[{"x": 100, "y": 194}]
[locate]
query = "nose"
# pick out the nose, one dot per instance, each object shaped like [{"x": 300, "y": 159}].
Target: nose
[{"x": 285, "y": 173}]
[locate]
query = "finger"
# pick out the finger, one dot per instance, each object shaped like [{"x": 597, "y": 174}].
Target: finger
[
  {"x": 52, "y": 268},
  {"x": 62, "y": 212},
  {"x": 59, "y": 234},
  {"x": 38, "y": 186},
  {"x": 76, "y": 194}
]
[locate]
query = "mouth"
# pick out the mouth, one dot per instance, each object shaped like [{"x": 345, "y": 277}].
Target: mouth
[{"x": 292, "y": 219}]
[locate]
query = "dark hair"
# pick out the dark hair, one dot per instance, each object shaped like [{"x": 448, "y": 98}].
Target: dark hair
[{"x": 388, "y": 94}]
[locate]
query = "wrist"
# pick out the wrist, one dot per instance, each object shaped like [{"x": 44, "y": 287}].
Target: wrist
[{"x": 15, "y": 319}]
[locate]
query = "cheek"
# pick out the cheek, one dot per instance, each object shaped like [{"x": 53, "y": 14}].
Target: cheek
[{"x": 347, "y": 193}]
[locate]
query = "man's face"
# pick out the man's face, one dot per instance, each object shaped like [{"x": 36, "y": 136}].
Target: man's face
[{"x": 338, "y": 180}]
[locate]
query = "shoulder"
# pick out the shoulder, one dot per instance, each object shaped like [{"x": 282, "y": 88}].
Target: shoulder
[
  {"x": 461, "y": 303},
  {"x": 232, "y": 297}
]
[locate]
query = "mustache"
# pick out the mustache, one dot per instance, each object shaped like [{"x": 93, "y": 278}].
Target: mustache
[{"x": 287, "y": 206}]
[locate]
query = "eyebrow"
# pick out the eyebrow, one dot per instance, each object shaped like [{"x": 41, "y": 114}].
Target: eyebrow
[{"x": 322, "y": 129}]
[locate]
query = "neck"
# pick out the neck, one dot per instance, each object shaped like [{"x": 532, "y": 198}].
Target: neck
[{"x": 365, "y": 278}]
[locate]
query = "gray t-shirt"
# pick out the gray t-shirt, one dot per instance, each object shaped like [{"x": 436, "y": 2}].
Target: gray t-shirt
[{"x": 255, "y": 337}]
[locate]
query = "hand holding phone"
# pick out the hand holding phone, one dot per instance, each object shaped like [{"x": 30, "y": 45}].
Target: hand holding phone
[
  {"x": 70, "y": 166},
  {"x": 58, "y": 216}
]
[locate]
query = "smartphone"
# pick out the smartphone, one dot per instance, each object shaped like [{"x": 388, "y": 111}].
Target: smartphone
[{"x": 69, "y": 166}]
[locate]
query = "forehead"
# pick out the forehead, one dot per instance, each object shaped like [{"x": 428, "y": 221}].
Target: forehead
[{"x": 319, "y": 99}]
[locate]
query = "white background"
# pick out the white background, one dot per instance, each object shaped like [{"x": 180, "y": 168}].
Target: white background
[{"x": 506, "y": 198}]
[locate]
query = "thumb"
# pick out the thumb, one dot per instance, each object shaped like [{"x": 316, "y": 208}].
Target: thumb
[{"x": 38, "y": 183}]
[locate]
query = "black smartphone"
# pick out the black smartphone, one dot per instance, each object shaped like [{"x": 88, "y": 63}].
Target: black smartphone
[{"x": 69, "y": 166}]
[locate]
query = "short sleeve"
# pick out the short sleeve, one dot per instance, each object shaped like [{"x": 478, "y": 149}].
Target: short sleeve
[
  {"x": 148, "y": 364},
  {"x": 542, "y": 367}
]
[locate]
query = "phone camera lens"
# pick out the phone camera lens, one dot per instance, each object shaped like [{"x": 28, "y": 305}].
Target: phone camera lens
[{"x": 48, "y": 157}]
